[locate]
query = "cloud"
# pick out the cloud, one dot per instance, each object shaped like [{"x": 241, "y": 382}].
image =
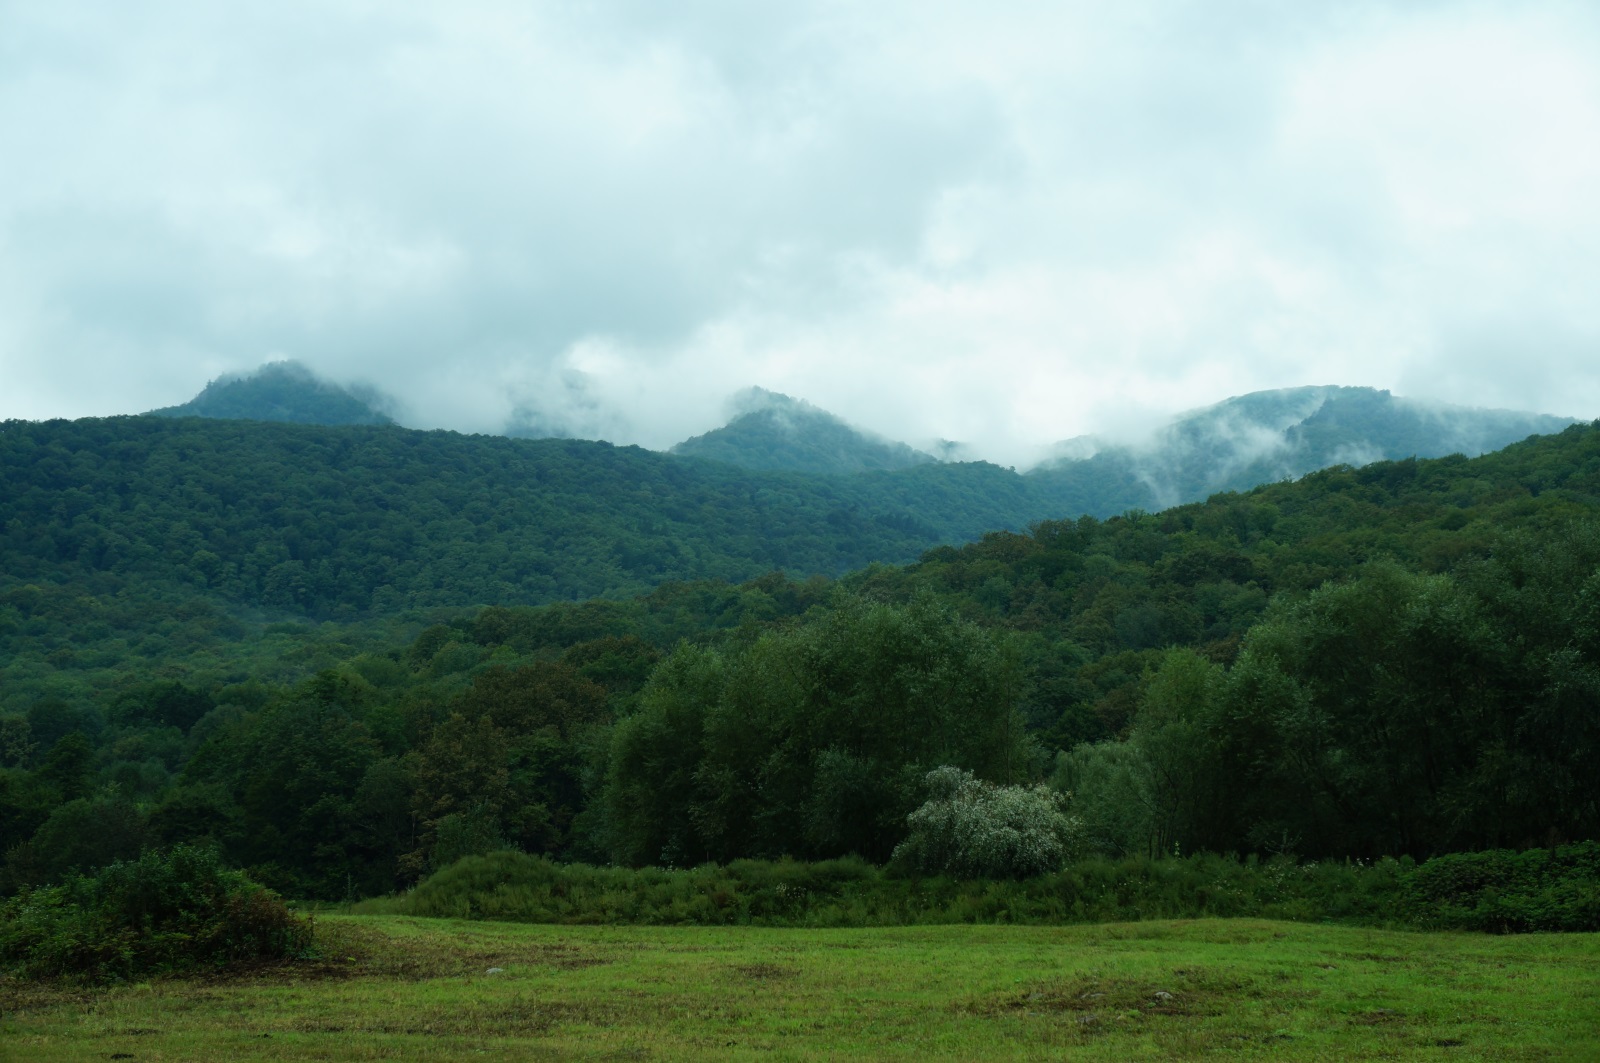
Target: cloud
[{"x": 1005, "y": 225}]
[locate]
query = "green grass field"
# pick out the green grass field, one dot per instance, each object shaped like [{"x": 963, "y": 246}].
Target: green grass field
[{"x": 399, "y": 988}]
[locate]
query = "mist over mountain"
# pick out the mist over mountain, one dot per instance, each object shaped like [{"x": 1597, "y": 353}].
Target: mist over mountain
[
  {"x": 1267, "y": 436},
  {"x": 772, "y": 432},
  {"x": 1234, "y": 445},
  {"x": 284, "y": 391}
]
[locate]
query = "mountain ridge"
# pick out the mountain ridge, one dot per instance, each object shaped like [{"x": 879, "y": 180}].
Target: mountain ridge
[
  {"x": 348, "y": 520},
  {"x": 1232, "y": 445},
  {"x": 1283, "y": 434}
]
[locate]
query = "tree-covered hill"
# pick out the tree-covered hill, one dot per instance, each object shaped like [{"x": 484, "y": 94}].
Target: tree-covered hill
[
  {"x": 342, "y": 520},
  {"x": 774, "y": 431},
  {"x": 283, "y": 391}
]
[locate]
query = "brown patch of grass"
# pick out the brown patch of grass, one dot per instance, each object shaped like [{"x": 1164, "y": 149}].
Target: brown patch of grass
[
  {"x": 342, "y": 950},
  {"x": 1186, "y": 993},
  {"x": 518, "y": 1017},
  {"x": 762, "y": 972},
  {"x": 352, "y": 951},
  {"x": 18, "y": 995}
]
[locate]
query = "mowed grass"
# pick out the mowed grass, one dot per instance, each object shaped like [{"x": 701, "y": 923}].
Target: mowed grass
[{"x": 400, "y": 988}]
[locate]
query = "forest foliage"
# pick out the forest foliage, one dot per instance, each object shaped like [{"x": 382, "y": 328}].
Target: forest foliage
[
  {"x": 1401, "y": 660},
  {"x": 343, "y": 522}
]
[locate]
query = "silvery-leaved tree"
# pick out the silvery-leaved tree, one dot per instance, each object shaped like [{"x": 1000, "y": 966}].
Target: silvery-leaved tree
[{"x": 970, "y": 828}]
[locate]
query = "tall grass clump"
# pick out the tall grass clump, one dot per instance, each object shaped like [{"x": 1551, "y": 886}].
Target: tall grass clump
[{"x": 164, "y": 912}]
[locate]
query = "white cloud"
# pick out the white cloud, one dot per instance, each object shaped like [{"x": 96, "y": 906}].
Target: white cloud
[{"x": 1006, "y": 224}]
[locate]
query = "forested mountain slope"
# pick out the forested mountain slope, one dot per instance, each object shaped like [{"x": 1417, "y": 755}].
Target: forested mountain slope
[
  {"x": 1098, "y": 600},
  {"x": 343, "y": 520},
  {"x": 353, "y": 520}
]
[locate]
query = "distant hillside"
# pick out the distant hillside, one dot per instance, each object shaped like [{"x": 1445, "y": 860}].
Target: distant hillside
[
  {"x": 355, "y": 520},
  {"x": 283, "y": 391},
  {"x": 774, "y": 431},
  {"x": 1268, "y": 436},
  {"x": 343, "y": 520}
]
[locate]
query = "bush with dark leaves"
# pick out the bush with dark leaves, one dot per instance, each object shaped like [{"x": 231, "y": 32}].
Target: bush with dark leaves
[{"x": 164, "y": 912}]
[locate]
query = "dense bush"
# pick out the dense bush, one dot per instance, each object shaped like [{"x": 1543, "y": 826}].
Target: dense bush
[
  {"x": 1502, "y": 891},
  {"x": 163, "y": 912},
  {"x": 970, "y": 828}
]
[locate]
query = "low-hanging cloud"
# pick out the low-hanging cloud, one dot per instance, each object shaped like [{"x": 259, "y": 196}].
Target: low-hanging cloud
[{"x": 1004, "y": 224}]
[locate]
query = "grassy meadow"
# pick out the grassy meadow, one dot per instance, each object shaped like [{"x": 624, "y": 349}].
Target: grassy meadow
[{"x": 391, "y": 987}]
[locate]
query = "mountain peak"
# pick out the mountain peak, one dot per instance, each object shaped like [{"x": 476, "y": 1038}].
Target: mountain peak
[
  {"x": 755, "y": 400},
  {"x": 284, "y": 391},
  {"x": 770, "y": 430}
]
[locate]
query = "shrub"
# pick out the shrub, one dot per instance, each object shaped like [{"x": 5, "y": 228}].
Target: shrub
[
  {"x": 850, "y": 892},
  {"x": 974, "y": 829},
  {"x": 164, "y": 912},
  {"x": 1503, "y": 891}
]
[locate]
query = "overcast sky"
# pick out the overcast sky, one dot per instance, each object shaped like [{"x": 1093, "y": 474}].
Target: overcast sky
[{"x": 1004, "y": 223}]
